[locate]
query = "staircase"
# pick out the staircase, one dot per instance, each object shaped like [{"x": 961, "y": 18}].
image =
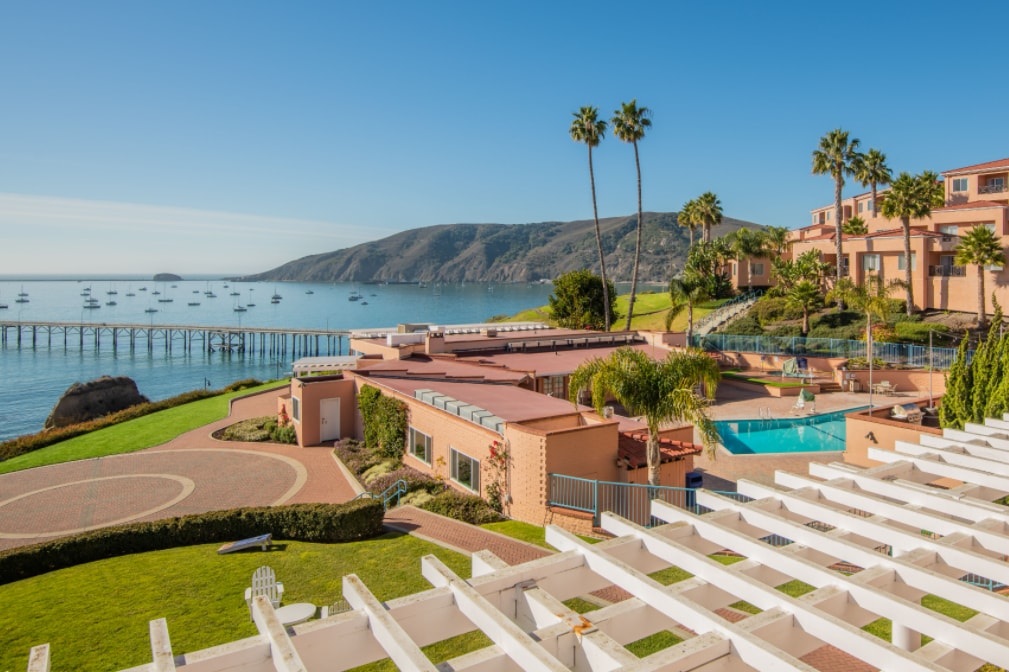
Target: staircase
[
  {"x": 829, "y": 386},
  {"x": 725, "y": 313}
]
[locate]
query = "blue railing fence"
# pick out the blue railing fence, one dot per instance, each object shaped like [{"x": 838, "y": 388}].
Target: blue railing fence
[
  {"x": 394, "y": 491},
  {"x": 629, "y": 500},
  {"x": 918, "y": 356}
]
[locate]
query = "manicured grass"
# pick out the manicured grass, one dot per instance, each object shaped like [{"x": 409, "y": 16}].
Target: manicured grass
[
  {"x": 768, "y": 382},
  {"x": 533, "y": 534},
  {"x": 649, "y": 313},
  {"x": 96, "y": 616},
  {"x": 127, "y": 437}
]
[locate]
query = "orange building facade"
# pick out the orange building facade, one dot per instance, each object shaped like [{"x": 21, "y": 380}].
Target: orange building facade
[
  {"x": 975, "y": 195},
  {"x": 494, "y": 420}
]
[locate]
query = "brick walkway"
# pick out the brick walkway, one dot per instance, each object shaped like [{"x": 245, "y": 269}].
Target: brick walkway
[
  {"x": 460, "y": 536},
  {"x": 193, "y": 473}
]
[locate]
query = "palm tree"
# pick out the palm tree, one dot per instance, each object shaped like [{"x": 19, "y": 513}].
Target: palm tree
[
  {"x": 588, "y": 128},
  {"x": 687, "y": 217},
  {"x": 661, "y": 391},
  {"x": 872, "y": 171},
  {"x": 629, "y": 124},
  {"x": 980, "y": 246},
  {"x": 912, "y": 196},
  {"x": 746, "y": 244},
  {"x": 777, "y": 239},
  {"x": 686, "y": 292},
  {"x": 836, "y": 156},
  {"x": 709, "y": 212},
  {"x": 854, "y": 227},
  {"x": 806, "y": 296}
]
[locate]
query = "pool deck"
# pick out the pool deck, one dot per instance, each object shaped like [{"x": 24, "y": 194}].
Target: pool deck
[{"x": 735, "y": 403}]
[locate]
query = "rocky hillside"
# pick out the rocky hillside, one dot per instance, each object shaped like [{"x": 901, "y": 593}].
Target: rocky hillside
[{"x": 503, "y": 252}]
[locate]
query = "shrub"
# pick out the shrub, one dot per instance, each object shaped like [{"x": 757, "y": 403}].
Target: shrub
[
  {"x": 746, "y": 325},
  {"x": 253, "y": 429},
  {"x": 285, "y": 434},
  {"x": 384, "y": 420},
  {"x": 415, "y": 481},
  {"x": 771, "y": 309},
  {"x": 917, "y": 332},
  {"x": 356, "y": 456},
  {"x": 327, "y": 523},
  {"x": 786, "y": 330},
  {"x": 467, "y": 508}
]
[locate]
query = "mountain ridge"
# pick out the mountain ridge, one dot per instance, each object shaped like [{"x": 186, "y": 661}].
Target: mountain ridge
[{"x": 503, "y": 252}]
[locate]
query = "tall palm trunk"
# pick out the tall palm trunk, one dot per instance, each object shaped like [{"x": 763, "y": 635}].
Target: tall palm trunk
[
  {"x": 637, "y": 247},
  {"x": 837, "y": 227},
  {"x": 981, "y": 314},
  {"x": 706, "y": 232},
  {"x": 690, "y": 323},
  {"x": 599, "y": 245},
  {"x": 873, "y": 186},
  {"x": 905, "y": 223},
  {"x": 653, "y": 456}
]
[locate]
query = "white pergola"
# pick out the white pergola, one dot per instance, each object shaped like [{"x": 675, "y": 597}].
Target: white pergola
[{"x": 870, "y": 542}]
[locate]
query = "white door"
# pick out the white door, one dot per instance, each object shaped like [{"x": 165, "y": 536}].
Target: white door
[{"x": 329, "y": 419}]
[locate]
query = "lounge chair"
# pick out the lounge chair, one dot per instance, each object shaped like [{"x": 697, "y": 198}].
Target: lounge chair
[{"x": 264, "y": 582}]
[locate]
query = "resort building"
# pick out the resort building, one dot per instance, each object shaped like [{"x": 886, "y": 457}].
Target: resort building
[
  {"x": 472, "y": 397},
  {"x": 845, "y": 568},
  {"x": 975, "y": 195}
]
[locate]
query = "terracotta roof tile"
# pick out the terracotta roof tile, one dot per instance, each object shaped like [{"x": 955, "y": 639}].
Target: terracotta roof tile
[
  {"x": 978, "y": 167},
  {"x": 972, "y": 205},
  {"x": 632, "y": 447},
  {"x": 916, "y": 232}
]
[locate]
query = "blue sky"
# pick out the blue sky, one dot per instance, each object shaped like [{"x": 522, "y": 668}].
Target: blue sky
[{"x": 201, "y": 137}]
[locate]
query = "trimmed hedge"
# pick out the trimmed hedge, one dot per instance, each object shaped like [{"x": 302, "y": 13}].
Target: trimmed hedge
[
  {"x": 31, "y": 442},
  {"x": 467, "y": 508},
  {"x": 327, "y": 523}
]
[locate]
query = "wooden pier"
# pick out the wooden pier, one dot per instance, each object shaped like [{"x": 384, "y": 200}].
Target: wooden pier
[{"x": 171, "y": 337}]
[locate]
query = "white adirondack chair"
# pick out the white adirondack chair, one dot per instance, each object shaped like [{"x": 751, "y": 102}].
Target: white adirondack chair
[{"x": 264, "y": 582}]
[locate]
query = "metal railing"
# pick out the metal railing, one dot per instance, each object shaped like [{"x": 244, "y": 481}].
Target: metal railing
[
  {"x": 917, "y": 356},
  {"x": 943, "y": 271},
  {"x": 396, "y": 490},
  {"x": 992, "y": 189},
  {"x": 629, "y": 500},
  {"x": 728, "y": 309}
]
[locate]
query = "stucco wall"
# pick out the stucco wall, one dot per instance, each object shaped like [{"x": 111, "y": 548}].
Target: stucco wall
[
  {"x": 884, "y": 433},
  {"x": 310, "y": 392}
]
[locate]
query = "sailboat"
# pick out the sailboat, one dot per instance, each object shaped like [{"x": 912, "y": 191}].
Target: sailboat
[{"x": 22, "y": 296}]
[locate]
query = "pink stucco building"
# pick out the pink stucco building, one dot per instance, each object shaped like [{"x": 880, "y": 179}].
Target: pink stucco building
[{"x": 472, "y": 396}]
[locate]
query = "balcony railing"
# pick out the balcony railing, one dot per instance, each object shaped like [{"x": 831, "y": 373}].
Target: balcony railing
[
  {"x": 996, "y": 188},
  {"x": 944, "y": 271}
]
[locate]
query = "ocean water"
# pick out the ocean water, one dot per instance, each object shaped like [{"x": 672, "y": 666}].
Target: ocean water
[{"x": 35, "y": 377}]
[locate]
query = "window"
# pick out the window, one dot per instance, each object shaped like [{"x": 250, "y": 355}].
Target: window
[
  {"x": 870, "y": 262},
  {"x": 949, "y": 230},
  {"x": 466, "y": 471},
  {"x": 860, "y": 205},
  {"x": 959, "y": 184},
  {"x": 990, "y": 227},
  {"x": 296, "y": 409},
  {"x": 420, "y": 445},
  {"x": 756, "y": 269},
  {"x": 828, "y": 215},
  {"x": 870, "y": 206},
  {"x": 553, "y": 386},
  {"x": 733, "y": 269},
  {"x": 902, "y": 265}
]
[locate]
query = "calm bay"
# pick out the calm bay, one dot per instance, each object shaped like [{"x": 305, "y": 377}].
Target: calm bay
[{"x": 35, "y": 377}]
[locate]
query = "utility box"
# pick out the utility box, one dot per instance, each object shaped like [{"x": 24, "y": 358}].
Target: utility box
[{"x": 694, "y": 479}]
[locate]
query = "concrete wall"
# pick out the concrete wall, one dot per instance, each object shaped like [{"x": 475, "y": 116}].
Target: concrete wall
[
  {"x": 310, "y": 392},
  {"x": 884, "y": 433},
  {"x": 906, "y": 380}
]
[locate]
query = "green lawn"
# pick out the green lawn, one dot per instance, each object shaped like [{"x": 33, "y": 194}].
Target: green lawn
[
  {"x": 126, "y": 437},
  {"x": 649, "y": 312},
  {"x": 96, "y": 616}
]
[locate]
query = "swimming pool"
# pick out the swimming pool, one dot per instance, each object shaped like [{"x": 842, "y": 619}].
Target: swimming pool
[{"x": 815, "y": 433}]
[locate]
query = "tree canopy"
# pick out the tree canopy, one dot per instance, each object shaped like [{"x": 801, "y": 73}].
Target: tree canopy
[
  {"x": 578, "y": 300},
  {"x": 662, "y": 391}
]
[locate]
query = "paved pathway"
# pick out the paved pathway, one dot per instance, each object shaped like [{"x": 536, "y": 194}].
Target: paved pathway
[
  {"x": 193, "y": 473},
  {"x": 460, "y": 536}
]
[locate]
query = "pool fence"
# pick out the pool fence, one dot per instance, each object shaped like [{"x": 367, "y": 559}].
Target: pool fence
[{"x": 915, "y": 356}]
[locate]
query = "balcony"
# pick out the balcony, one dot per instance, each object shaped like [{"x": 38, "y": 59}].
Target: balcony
[
  {"x": 944, "y": 271},
  {"x": 996, "y": 188}
]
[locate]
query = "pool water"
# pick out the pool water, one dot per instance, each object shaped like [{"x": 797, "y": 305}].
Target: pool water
[{"x": 809, "y": 434}]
